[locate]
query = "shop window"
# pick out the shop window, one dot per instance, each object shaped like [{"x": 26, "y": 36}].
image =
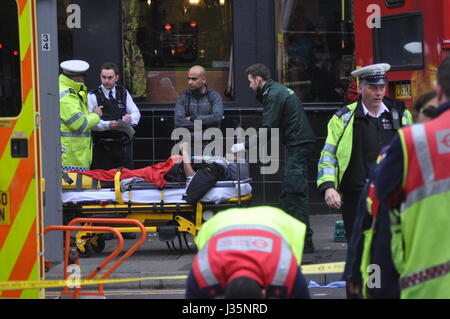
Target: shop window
[
  {"x": 399, "y": 41},
  {"x": 316, "y": 48},
  {"x": 164, "y": 38},
  {"x": 10, "y": 84},
  {"x": 65, "y": 33}
]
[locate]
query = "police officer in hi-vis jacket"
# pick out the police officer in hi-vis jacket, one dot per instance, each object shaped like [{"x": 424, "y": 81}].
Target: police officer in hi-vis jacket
[
  {"x": 356, "y": 134},
  {"x": 76, "y": 120}
]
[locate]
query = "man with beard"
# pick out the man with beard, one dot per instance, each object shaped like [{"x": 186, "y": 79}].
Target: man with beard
[{"x": 282, "y": 109}]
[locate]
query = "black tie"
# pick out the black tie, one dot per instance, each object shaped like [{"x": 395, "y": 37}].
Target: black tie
[{"x": 111, "y": 98}]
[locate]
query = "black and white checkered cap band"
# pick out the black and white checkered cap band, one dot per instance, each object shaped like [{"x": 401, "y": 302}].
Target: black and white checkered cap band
[{"x": 374, "y": 76}]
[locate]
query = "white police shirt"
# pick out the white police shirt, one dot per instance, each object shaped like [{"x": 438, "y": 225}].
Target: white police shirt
[
  {"x": 383, "y": 108},
  {"x": 132, "y": 109}
]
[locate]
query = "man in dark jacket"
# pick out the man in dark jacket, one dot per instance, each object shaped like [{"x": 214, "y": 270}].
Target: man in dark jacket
[
  {"x": 198, "y": 103},
  {"x": 283, "y": 110}
]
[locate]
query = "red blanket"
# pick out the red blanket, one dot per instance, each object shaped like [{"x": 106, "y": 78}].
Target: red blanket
[{"x": 152, "y": 174}]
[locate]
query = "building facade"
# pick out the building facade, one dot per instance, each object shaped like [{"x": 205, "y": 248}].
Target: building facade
[{"x": 308, "y": 45}]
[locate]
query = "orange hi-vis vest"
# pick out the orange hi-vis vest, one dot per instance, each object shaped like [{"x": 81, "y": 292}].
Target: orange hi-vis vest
[
  {"x": 253, "y": 251},
  {"x": 424, "y": 219}
]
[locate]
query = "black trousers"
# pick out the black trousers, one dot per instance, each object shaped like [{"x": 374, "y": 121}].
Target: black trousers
[
  {"x": 112, "y": 154},
  {"x": 349, "y": 210}
]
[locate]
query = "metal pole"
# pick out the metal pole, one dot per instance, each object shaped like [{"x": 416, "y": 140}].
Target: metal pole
[
  {"x": 239, "y": 178},
  {"x": 47, "y": 28}
]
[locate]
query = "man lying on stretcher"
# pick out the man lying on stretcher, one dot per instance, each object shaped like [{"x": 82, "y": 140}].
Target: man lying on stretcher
[{"x": 177, "y": 168}]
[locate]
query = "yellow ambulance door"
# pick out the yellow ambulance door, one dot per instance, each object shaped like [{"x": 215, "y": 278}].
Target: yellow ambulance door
[{"x": 21, "y": 245}]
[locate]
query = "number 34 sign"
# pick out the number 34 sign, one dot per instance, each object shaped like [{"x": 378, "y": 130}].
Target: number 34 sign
[
  {"x": 4, "y": 208},
  {"x": 45, "y": 42}
]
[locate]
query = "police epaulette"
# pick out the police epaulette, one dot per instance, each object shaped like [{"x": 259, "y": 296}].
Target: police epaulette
[
  {"x": 93, "y": 91},
  {"x": 72, "y": 91},
  {"x": 342, "y": 111}
]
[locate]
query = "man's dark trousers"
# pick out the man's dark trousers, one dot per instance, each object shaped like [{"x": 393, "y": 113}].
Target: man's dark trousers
[
  {"x": 112, "y": 154},
  {"x": 349, "y": 210},
  {"x": 294, "y": 193}
]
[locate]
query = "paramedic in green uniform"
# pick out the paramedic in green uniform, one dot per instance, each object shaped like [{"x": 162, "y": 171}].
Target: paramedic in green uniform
[{"x": 282, "y": 109}]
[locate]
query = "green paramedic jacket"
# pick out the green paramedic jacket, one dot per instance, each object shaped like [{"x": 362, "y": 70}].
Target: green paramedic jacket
[
  {"x": 75, "y": 125},
  {"x": 292, "y": 230},
  {"x": 283, "y": 109},
  {"x": 336, "y": 153}
]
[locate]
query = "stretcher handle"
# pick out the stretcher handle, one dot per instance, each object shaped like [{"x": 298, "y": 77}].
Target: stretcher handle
[
  {"x": 114, "y": 221},
  {"x": 70, "y": 228}
]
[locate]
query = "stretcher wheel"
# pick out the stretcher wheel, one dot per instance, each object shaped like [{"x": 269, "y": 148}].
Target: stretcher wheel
[
  {"x": 190, "y": 244},
  {"x": 88, "y": 251},
  {"x": 98, "y": 243},
  {"x": 173, "y": 247}
]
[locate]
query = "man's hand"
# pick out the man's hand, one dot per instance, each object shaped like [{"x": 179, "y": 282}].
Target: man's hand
[
  {"x": 188, "y": 118},
  {"x": 184, "y": 147},
  {"x": 353, "y": 288},
  {"x": 237, "y": 147},
  {"x": 127, "y": 118},
  {"x": 332, "y": 198},
  {"x": 113, "y": 125},
  {"x": 98, "y": 110}
]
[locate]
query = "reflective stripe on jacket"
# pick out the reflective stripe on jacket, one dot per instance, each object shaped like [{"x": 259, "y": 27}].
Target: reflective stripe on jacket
[
  {"x": 292, "y": 230},
  {"x": 336, "y": 153},
  {"x": 253, "y": 251},
  {"x": 75, "y": 124},
  {"x": 423, "y": 223}
]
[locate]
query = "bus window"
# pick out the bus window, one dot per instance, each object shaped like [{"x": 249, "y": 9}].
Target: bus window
[
  {"x": 394, "y": 3},
  {"x": 10, "y": 91},
  {"x": 399, "y": 41}
]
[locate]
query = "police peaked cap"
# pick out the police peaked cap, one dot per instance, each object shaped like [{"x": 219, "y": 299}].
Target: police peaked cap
[
  {"x": 74, "y": 67},
  {"x": 373, "y": 74}
]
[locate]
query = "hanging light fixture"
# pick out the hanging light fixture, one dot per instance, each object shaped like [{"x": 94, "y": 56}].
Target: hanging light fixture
[
  {"x": 194, "y": 2},
  {"x": 222, "y": 2}
]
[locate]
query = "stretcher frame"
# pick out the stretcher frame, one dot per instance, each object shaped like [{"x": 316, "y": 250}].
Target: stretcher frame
[{"x": 168, "y": 220}]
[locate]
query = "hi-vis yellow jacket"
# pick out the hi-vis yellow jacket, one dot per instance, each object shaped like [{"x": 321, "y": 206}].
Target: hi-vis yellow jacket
[
  {"x": 336, "y": 153},
  {"x": 291, "y": 229},
  {"x": 75, "y": 125}
]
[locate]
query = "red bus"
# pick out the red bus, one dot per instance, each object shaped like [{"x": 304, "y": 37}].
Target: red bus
[{"x": 411, "y": 35}]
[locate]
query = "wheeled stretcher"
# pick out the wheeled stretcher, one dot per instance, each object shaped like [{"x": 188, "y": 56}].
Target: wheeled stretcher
[{"x": 162, "y": 210}]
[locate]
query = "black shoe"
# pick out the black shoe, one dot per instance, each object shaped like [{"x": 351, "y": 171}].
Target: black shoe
[
  {"x": 309, "y": 248},
  {"x": 129, "y": 235}
]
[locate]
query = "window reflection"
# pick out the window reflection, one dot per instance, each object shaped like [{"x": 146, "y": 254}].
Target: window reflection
[
  {"x": 174, "y": 35},
  {"x": 402, "y": 42},
  {"x": 318, "y": 48},
  {"x": 10, "y": 84}
]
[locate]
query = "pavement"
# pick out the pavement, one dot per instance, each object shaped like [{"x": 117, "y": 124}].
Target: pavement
[{"x": 154, "y": 259}]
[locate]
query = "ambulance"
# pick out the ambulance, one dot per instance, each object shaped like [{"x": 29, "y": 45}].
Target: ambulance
[{"x": 21, "y": 182}]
